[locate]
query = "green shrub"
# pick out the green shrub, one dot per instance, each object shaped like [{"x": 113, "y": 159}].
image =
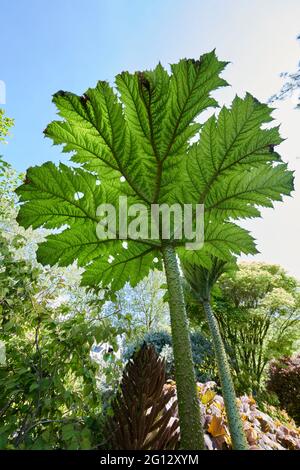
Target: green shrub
[{"x": 203, "y": 355}]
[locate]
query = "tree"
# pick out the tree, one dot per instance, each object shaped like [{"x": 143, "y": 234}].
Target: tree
[
  {"x": 292, "y": 84},
  {"x": 284, "y": 380},
  {"x": 142, "y": 308},
  {"x": 138, "y": 143},
  {"x": 7, "y": 176},
  {"x": 257, "y": 308},
  {"x": 5, "y": 124},
  {"x": 48, "y": 393}
]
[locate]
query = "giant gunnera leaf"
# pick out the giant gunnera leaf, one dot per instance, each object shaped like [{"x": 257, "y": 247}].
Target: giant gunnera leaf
[{"x": 135, "y": 140}]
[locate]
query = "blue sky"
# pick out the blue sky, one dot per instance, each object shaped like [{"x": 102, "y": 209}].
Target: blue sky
[{"x": 48, "y": 45}]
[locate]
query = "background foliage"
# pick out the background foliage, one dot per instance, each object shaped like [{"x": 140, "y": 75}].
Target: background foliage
[{"x": 284, "y": 381}]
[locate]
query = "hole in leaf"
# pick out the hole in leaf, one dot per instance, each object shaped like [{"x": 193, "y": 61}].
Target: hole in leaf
[{"x": 78, "y": 196}]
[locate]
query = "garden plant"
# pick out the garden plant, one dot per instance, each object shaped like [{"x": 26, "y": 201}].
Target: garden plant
[{"x": 143, "y": 140}]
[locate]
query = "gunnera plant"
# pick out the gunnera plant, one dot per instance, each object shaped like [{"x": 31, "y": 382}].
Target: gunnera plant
[{"x": 144, "y": 410}]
